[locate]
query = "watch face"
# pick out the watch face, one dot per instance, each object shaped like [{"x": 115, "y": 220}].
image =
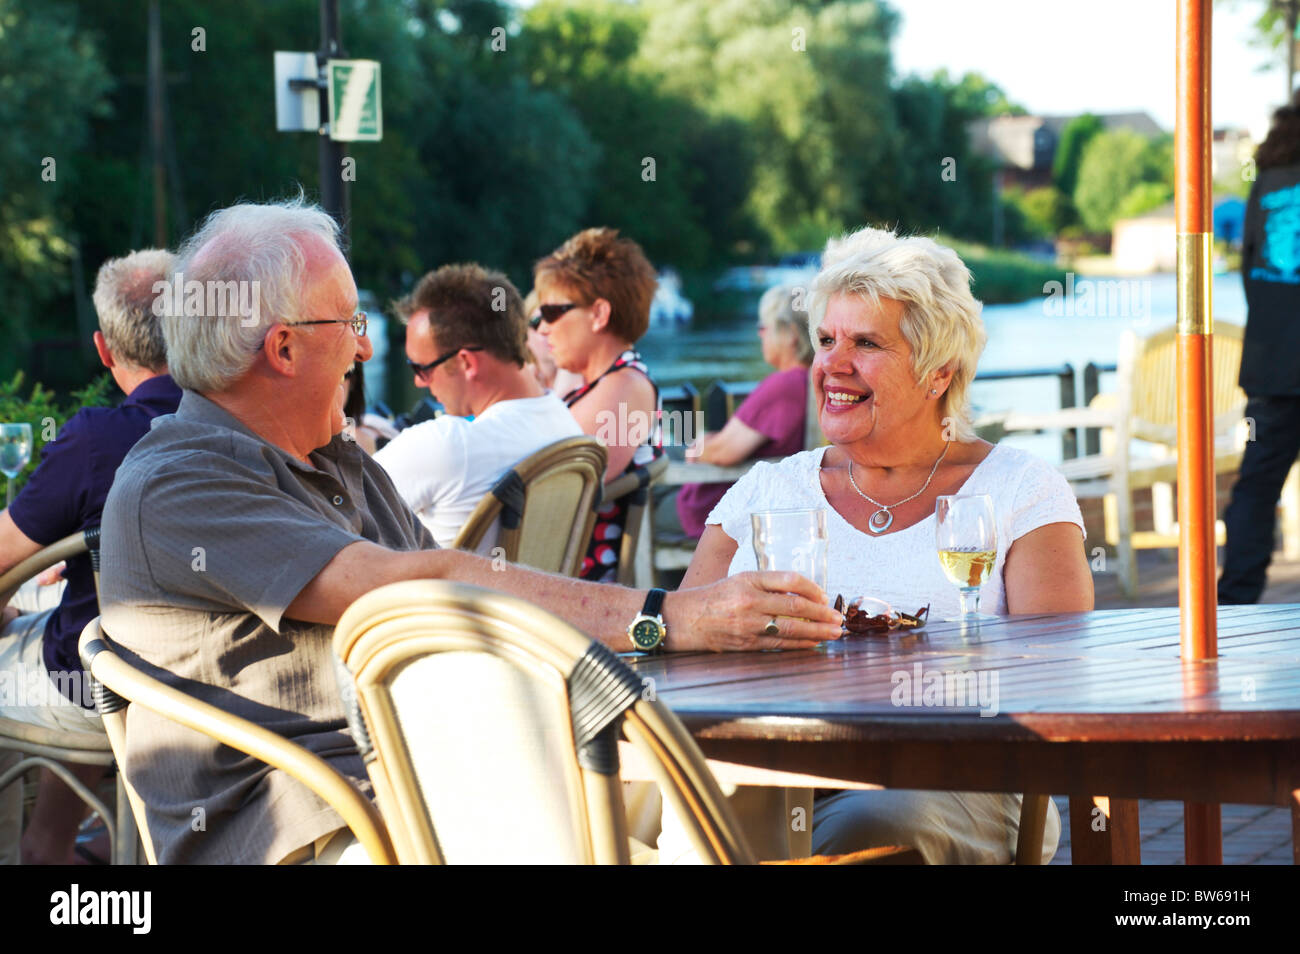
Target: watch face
[{"x": 646, "y": 633}]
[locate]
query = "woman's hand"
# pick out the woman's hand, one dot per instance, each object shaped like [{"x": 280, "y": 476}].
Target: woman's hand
[
  {"x": 730, "y": 615},
  {"x": 1046, "y": 571}
]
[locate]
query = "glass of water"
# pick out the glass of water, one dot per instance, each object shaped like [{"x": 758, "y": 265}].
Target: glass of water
[
  {"x": 792, "y": 540},
  {"x": 15, "y": 452}
]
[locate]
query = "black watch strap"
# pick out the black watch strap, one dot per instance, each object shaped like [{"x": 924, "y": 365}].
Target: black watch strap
[{"x": 654, "y": 602}]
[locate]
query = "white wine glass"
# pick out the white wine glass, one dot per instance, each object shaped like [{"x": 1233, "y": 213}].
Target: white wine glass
[
  {"x": 967, "y": 538},
  {"x": 15, "y": 452}
]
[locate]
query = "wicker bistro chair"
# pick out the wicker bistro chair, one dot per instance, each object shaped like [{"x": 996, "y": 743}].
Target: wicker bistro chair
[
  {"x": 117, "y": 685},
  {"x": 544, "y": 507},
  {"x": 490, "y": 731},
  {"x": 49, "y": 748}
]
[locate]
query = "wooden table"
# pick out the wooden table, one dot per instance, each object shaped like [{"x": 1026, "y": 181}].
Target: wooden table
[{"x": 1097, "y": 706}]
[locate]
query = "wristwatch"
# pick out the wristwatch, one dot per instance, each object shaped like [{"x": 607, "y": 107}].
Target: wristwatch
[{"x": 648, "y": 631}]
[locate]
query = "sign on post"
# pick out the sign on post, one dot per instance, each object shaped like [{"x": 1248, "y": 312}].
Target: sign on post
[
  {"x": 356, "y": 110},
  {"x": 297, "y": 94}
]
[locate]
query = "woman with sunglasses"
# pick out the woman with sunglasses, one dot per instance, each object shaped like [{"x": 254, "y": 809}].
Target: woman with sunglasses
[{"x": 594, "y": 293}]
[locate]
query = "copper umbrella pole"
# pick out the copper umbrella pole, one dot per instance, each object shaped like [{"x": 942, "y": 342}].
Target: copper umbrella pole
[{"x": 1203, "y": 841}]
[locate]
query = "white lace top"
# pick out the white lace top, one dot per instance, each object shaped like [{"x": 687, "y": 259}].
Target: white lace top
[{"x": 901, "y": 568}]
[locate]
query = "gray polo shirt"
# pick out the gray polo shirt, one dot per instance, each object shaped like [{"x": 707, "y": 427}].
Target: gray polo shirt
[{"x": 209, "y": 534}]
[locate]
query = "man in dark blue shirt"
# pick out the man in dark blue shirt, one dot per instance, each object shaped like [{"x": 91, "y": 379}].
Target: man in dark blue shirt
[
  {"x": 1270, "y": 361},
  {"x": 65, "y": 495}
]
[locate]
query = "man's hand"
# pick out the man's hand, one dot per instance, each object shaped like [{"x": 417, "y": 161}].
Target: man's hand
[{"x": 730, "y": 615}]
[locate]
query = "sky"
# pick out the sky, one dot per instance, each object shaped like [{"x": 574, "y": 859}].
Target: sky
[{"x": 1060, "y": 56}]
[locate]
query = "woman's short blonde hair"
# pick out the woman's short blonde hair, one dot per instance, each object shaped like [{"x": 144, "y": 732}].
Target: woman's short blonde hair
[
  {"x": 783, "y": 306},
  {"x": 941, "y": 318}
]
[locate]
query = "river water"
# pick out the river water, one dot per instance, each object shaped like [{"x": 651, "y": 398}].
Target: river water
[{"x": 1079, "y": 321}]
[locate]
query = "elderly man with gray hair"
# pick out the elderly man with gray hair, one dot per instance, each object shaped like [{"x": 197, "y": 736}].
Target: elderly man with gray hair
[
  {"x": 242, "y": 527},
  {"x": 65, "y": 495}
]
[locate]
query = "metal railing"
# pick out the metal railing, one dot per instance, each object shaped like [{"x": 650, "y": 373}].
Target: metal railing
[{"x": 721, "y": 398}]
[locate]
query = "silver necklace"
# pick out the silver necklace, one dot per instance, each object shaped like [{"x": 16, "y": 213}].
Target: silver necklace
[{"x": 880, "y": 521}]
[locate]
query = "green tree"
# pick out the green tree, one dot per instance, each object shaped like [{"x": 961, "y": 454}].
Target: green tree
[
  {"x": 976, "y": 95},
  {"x": 1113, "y": 164},
  {"x": 1143, "y": 198},
  {"x": 52, "y": 81},
  {"x": 1272, "y": 30},
  {"x": 940, "y": 182},
  {"x": 811, "y": 83},
  {"x": 474, "y": 164},
  {"x": 1033, "y": 214},
  {"x": 1076, "y": 135},
  {"x": 664, "y": 171}
]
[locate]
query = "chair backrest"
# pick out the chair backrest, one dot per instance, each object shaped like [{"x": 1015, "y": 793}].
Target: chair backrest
[
  {"x": 1148, "y": 383},
  {"x": 489, "y": 728},
  {"x": 116, "y": 685},
  {"x": 545, "y": 507},
  {"x": 74, "y": 544},
  {"x": 635, "y": 486}
]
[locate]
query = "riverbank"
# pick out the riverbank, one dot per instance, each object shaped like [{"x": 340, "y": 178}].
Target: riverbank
[{"x": 1003, "y": 277}]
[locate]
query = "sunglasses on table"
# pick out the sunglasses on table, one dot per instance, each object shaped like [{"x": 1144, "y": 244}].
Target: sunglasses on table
[
  {"x": 358, "y": 322},
  {"x": 550, "y": 313},
  {"x": 424, "y": 370}
]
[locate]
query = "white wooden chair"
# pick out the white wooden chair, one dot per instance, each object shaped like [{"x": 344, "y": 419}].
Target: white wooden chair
[
  {"x": 490, "y": 730},
  {"x": 1144, "y": 408}
]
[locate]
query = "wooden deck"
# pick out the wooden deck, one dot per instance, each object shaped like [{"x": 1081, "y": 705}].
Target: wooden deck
[{"x": 1252, "y": 834}]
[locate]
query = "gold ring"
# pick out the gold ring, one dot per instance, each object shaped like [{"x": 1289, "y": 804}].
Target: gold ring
[{"x": 771, "y": 629}]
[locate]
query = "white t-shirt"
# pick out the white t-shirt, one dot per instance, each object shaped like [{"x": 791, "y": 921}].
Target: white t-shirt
[
  {"x": 901, "y": 568},
  {"x": 442, "y": 468}
]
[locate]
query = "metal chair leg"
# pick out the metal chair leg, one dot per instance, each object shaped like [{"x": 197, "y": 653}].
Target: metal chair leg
[
  {"x": 16, "y": 772},
  {"x": 126, "y": 847}
]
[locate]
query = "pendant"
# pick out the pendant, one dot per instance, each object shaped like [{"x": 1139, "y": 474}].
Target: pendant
[{"x": 879, "y": 521}]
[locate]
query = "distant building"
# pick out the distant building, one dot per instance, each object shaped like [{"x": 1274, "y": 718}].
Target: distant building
[
  {"x": 1147, "y": 243},
  {"x": 1025, "y": 146}
]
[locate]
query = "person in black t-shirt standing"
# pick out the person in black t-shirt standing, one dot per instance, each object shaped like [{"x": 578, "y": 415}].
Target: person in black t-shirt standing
[{"x": 1270, "y": 359}]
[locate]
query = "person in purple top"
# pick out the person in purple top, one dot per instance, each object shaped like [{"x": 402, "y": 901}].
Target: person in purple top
[
  {"x": 65, "y": 495},
  {"x": 769, "y": 423}
]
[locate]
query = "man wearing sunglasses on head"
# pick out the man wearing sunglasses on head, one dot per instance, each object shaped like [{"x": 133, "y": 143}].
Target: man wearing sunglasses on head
[{"x": 471, "y": 356}]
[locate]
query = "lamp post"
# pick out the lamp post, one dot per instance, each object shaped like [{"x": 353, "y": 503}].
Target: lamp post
[{"x": 334, "y": 196}]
